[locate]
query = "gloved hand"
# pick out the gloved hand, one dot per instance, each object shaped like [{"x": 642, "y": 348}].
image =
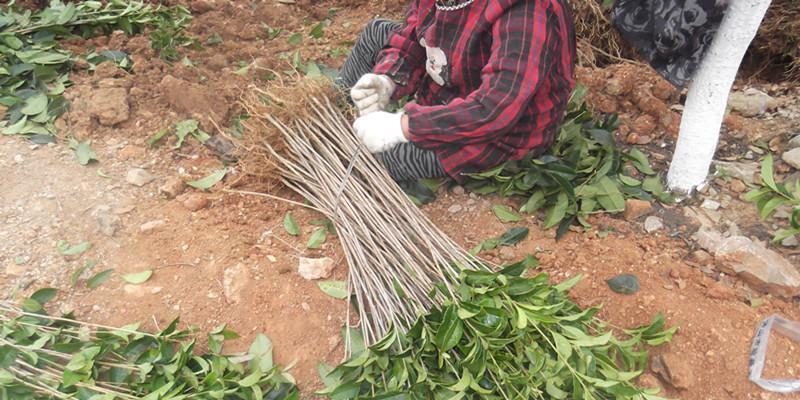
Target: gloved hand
[
  {"x": 372, "y": 93},
  {"x": 380, "y": 131}
]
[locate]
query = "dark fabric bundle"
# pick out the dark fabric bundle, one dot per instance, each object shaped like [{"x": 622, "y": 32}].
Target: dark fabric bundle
[{"x": 672, "y": 35}]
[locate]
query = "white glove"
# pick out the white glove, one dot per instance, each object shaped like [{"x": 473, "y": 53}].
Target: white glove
[
  {"x": 372, "y": 93},
  {"x": 380, "y": 131}
]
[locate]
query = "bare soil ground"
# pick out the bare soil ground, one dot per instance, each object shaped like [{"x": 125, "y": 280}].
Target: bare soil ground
[{"x": 230, "y": 262}]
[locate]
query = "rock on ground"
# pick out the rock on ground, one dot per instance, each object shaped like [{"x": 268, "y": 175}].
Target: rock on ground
[
  {"x": 635, "y": 208},
  {"x": 675, "y": 370},
  {"x": 751, "y": 102},
  {"x": 138, "y": 177},
  {"x": 315, "y": 268},
  {"x": 110, "y": 106},
  {"x": 652, "y": 224},
  {"x": 234, "y": 280},
  {"x": 792, "y": 157},
  {"x": 172, "y": 188},
  {"x": 195, "y": 202},
  {"x": 762, "y": 268}
]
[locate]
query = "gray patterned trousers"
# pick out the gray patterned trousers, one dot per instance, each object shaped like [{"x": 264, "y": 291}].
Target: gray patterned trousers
[{"x": 405, "y": 162}]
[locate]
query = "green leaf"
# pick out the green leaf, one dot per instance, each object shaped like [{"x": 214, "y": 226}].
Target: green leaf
[
  {"x": 66, "y": 250},
  {"x": 35, "y": 105},
  {"x": 31, "y": 306},
  {"x": 513, "y": 236},
  {"x": 318, "y": 31},
  {"x": 44, "y": 295},
  {"x": 261, "y": 350},
  {"x": 317, "y": 239},
  {"x": 290, "y": 225},
  {"x": 324, "y": 370},
  {"x": 208, "y": 181},
  {"x": 99, "y": 278},
  {"x": 137, "y": 278},
  {"x": 640, "y": 161},
  {"x": 534, "y": 203},
  {"x": 335, "y": 289},
  {"x": 157, "y": 137},
  {"x": 569, "y": 283},
  {"x": 505, "y": 214},
  {"x": 769, "y": 207},
  {"x": 562, "y": 346},
  {"x": 557, "y": 212},
  {"x": 251, "y": 380},
  {"x": 84, "y": 153},
  {"x": 450, "y": 331},
  {"x": 624, "y": 284},
  {"x": 519, "y": 268},
  {"x": 767, "y": 174},
  {"x": 295, "y": 39}
]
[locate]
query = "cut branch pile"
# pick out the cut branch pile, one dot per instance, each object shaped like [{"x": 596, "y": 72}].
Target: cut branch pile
[{"x": 396, "y": 255}]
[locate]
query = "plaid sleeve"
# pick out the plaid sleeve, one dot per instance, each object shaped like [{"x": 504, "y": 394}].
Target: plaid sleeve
[
  {"x": 518, "y": 62},
  {"x": 403, "y": 59}
]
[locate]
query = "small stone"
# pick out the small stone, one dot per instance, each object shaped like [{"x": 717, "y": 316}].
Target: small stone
[
  {"x": 458, "y": 190},
  {"x": 172, "y": 188},
  {"x": 196, "y": 202},
  {"x": 635, "y": 208},
  {"x": 271, "y": 258},
  {"x": 751, "y": 102},
  {"x": 138, "y": 177},
  {"x": 455, "y": 208},
  {"x": 794, "y": 142},
  {"x": 790, "y": 241},
  {"x": 652, "y": 224},
  {"x": 737, "y": 186},
  {"x": 152, "y": 226},
  {"x": 681, "y": 283},
  {"x": 305, "y": 306},
  {"x": 792, "y": 157},
  {"x": 107, "y": 222},
  {"x": 675, "y": 370},
  {"x": 155, "y": 290},
  {"x": 709, "y": 204},
  {"x": 19, "y": 159},
  {"x": 315, "y": 268},
  {"x": 234, "y": 280},
  {"x": 96, "y": 308},
  {"x": 507, "y": 253}
]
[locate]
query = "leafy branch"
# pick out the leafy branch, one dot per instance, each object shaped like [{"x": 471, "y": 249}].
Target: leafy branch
[
  {"x": 583, "y": 173},
  {"x": 773, "y": 195},
  {"x": 61, "y": 358},
  {"x": 505, "y": 337}
]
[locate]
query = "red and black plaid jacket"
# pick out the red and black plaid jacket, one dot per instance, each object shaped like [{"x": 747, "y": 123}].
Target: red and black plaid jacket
[{"x": 507, "y": 78}]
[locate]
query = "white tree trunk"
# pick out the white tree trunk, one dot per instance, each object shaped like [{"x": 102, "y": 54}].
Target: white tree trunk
[{"x": 708, "y": 95}]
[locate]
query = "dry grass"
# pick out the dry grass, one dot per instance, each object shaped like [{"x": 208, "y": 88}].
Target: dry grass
[
  {"x": 778, "y": 39},
  {"x": 599, "y": 43}
]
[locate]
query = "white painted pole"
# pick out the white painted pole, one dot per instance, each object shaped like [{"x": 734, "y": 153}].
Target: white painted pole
[{"x": 708, "y": 95}]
